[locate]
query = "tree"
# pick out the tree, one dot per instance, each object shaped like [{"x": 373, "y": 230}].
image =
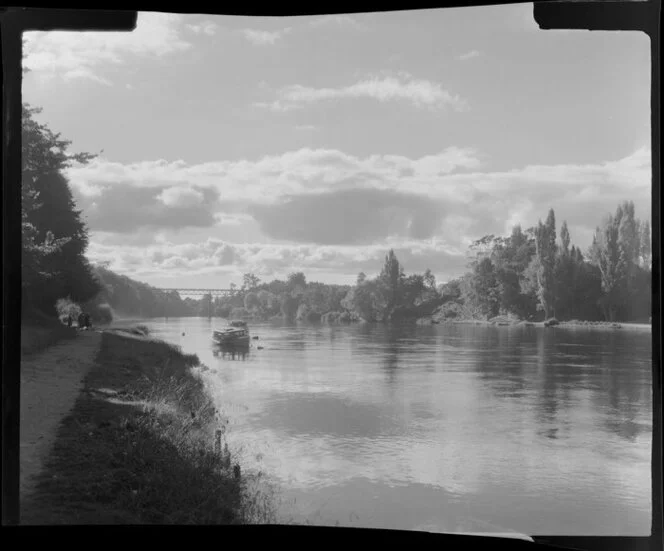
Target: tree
[
  {"x": 546, "y": 254},
  {"x": 482, "y": 288},
  {"x": 42, "y": 150},
  {"x": 251, "y": 301},
  {"x": 54, "y": 237},
  {"x": 297, "y": 279},
  {"x": 412, "y": 290},
  {"x": 297, "y": 283},
  {"x": 563, "y": 275},
  {"x": 564, "y": 239},
  {"x": 646, "y": 248},
  {"x": 369, "y": 301},
  {"x": 429, "y": 279},
  {"x": 610, "y": 259},
  {"x": 250, "y": 281},
  {"x": 57, "y": 213},
  {"x": 391, "y": 277},
  {"x": 268, "y": 302},
  {"x": 361, "y": 278},
  {"x": 511, "y": 258},
  {"x": 289, "y": 306}
]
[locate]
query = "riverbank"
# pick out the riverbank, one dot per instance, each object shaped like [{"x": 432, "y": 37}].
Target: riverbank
[
  {"x": 511, "y": 322},
  {"x": 139, "y": 445},
  {"x": 50, "y": 385}
]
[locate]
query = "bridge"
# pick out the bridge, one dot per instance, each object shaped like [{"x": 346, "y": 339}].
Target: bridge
[{"x": 198, "y": 292}]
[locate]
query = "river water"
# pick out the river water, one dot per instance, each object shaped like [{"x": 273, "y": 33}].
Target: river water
[{"x": 441, "y": 428}]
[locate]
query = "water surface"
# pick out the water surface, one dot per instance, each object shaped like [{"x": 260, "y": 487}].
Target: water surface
[{"x": 441, "y": 428}]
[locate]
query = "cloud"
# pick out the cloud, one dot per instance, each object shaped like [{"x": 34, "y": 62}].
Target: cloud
[
  {"x": 342, "y": 20},
  {"x": 418, "y": 92},
  {"x": 85, "y": 73},
  {"x": 350, "y": 217},
  {"x": 180, "y": 197},
  {"x": 122, "y": 208},
  {"x": 76, "y": 55},
  {"x": 272, "y": 178},
  {"x": 469, "y": 55},
  {"x": 217, "y": 257},
  {"x": 329, "y": 212},
  {"x": 262, "y": 38},
  {"x": 204, "y": 27},
  {"x": 305, "y": 127}
]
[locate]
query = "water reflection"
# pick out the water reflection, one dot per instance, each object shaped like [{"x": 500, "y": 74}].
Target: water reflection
[
  {"x": 540, "y": 431},
  {"x": 230, "y": 352}
]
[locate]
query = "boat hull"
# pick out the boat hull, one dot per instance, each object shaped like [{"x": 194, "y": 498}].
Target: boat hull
[
  {"x": 237, "y": 340},
  {"x": 224, "y": 340}
]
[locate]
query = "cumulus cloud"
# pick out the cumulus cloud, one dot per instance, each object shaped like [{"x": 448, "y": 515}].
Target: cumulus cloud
[
  {"x": 204, "y": 27},
  {"x": 271, "y": 178},
  {"x": 75, "y": 55},
  {"x": 351, "y": 216},
  {"x": 339, "y": 20},
  {"x": 121, "y": 207},
  {"x": 420, "y": 93},
  {"x": 180, "y": 197},
  {"x": 262, "y": 38},
  {"x": 213, "y": 256},
  {"x": 469, "y": 55},
  {"x": 326, "y": 211}
]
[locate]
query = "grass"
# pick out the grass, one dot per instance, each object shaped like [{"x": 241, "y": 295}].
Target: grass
[
  {"x": 38, "y": 332},
  {"x": 139, "y": 448}
]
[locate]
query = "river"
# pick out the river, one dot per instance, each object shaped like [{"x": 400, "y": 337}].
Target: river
[{"x": 441, "y": 428}]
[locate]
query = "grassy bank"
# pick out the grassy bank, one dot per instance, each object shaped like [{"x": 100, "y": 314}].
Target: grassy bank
[{"x": 139, "y": 447}]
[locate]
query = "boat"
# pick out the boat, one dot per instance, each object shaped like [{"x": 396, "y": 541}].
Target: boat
[{"x": 236, "y": 334}]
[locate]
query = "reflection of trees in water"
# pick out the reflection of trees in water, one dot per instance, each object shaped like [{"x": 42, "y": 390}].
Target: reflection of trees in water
[
  {"x": 230, "y": 353},
  {"x": 624, "y": 395},
  {"x": 520, "y": 363},
  {"x": 391, "y": 353},
  {"x": 500, "y": 359},
  {"x": 547, "y": 404}
]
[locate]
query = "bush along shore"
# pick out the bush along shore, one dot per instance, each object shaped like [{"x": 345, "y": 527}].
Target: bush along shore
[{"x": 143, "y": 445}]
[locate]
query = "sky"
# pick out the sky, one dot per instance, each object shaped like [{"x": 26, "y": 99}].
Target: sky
[{"x": 232, "y": 144}]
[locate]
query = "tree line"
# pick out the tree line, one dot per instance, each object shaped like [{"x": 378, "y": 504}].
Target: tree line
[
  {"x": 389, "y": 296},
  {"x": 532, "y": 274},
  {"x": 54, "y": 236},
  {"x": 528, "y": 274}
]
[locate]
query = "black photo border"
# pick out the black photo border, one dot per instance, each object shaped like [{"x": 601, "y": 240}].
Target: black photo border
[{"x": 611, "y": 15}]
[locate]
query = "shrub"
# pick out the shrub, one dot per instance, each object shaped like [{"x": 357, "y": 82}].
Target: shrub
[
  {"x": 239, "y": 313},
  {"x": 100, "y": 313},
  {"x": 67, "y": 307}
]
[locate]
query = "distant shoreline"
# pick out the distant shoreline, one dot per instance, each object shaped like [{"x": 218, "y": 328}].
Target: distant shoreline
[
  {"x": 502, "y": 322},
  {"x": 604, "y": 325}
]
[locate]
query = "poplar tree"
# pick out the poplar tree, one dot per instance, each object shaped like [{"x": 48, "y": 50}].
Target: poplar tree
[{"x": 545, "y": 240}]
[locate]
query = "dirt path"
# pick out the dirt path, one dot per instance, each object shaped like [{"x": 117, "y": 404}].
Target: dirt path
[{"x": 50, "y": 383}]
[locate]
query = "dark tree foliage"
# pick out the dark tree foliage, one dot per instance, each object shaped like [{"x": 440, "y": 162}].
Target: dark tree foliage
[
  {"x": 54, "y": 238},
  {"x": 528, "y": 271},
  {"x": 127, "y": 297}
]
